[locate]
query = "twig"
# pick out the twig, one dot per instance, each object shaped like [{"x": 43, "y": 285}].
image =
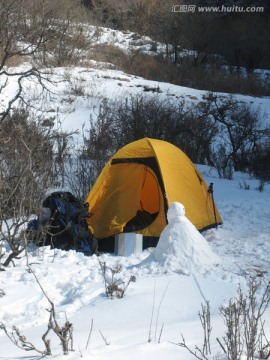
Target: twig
[
  {"x": 91, "y": 329},
  {"x": 103, "y": 337},
  {"x": 152, "y": 314},
  {"x": 20, "y": 340},
  {"x": 161, "y": 331},
  {"x": 184, "y": 345},
  {"x": 161, "y": 301},
  {"x": 221, "y": 345}
]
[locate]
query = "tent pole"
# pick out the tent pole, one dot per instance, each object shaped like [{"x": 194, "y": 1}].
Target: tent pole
[{"x": 211, "y": 191}]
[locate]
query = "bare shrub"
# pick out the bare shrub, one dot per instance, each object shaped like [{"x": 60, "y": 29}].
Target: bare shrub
[
  {"x": 26, "y": 172},
  {"x": 109, "y": 54},
  {"x": 260, "y": 188},
  {"x": 82, "y": 168},
  {"x": 205, "y": 319},
  {"x": 260, "y": 165},
  {"x": 149, "y": 67},
  {"x": 240, "y": 129},
  {"x": 133, "y": 118},
  {"x": 244, "y": 325},
  {"x": 243, "y": 185},
  {"x": 244, "y": 322},
  {"x": 20, "y": 340},
  {"x": 68, "y": 46},
  {"x": 32, "y": 160},
  {"x": 218, "y": 131},
  {"x": 203, "y": 75},
  {"x": 64, "y": 333},
  {"x": 115, "y": 286}
]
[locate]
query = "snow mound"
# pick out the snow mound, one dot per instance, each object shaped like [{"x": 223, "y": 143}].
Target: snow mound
[{"x": 181, "y": 248}]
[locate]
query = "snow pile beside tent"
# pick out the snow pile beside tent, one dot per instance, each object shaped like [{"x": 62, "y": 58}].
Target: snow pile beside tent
[{"x": 181, "y": 247}]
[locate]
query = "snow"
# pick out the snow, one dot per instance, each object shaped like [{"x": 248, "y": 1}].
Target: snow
[
  {"x": 171, "y": 285},
  {"x": 181, "y": 247},
  {"x": 186, "y": 269},
  {"x": 77, "y": 93}
]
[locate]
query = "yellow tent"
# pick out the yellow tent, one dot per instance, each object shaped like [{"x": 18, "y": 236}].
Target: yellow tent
[{"x": 136, "y": 187}]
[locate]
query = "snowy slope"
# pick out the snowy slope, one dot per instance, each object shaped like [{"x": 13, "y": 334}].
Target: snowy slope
[{"x": 76, "y": 94}]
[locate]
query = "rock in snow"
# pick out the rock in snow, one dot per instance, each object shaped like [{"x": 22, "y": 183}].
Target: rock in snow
[{"x": 181, "y": 247}]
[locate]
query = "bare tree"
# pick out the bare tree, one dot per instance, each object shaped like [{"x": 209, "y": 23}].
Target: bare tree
[
  {"x": 31, "y": 32},
  {"x": 22, "y": 34}
]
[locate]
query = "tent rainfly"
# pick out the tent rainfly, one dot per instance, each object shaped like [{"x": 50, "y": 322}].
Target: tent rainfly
[{"x": 137, "y": 186}]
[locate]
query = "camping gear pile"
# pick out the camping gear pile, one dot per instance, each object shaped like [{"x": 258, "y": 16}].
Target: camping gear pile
[{"x": 62, "y": 224}]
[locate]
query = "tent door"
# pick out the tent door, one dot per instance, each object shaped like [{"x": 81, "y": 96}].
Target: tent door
[{"x": 149, "y": 202}]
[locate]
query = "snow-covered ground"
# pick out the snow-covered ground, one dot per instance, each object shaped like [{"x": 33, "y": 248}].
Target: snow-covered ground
[{"x": 162, "y": 296}]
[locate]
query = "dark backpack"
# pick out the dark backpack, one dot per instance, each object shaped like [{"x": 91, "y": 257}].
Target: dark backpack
[{"x": 65, "y": 224}]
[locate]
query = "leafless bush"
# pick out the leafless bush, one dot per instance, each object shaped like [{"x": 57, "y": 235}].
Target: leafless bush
[
  {"x": 31, "y": 159},
  {"x": 26, "y": 172},
  {"x": 64, "y": 333},
  {"x": 244, "y": 185},
  {"x": 260, "y": 165},
  {"x": 205, "y": 75},
  {"x": 111, "y": 55},
  {"x": 82, "y": 168},
  {"x": 243, "y": 318},
  {"x": 260, "y": 188},
  {"x": 68, "y": 42},
  {"x": 114, "y": 286},
  {"x": 244, "y": 325},
  {"x": 130, "y": 119},
  {"x": 20, "y": 340},
  {"x": 222, "y": 162},
  {"x": 205, "y": 318},
  {"x": 239, "y": 131},
  {"x": 197, "y": 352},
  {"x": 218, "y": 131},
  {"x": 2, "y": 252}
]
